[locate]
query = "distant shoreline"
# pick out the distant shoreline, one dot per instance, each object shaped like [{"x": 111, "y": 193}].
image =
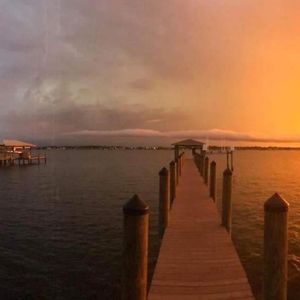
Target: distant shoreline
[{"x": 155, "y": 148}]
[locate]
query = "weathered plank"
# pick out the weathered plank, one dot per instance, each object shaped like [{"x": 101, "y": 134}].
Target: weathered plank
[{"x": 197, "y": 259}]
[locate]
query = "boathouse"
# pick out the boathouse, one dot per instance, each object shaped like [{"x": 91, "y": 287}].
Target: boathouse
[
  {"x": 17, "y": 147},
  {"x": 14, "y": 150},
  {"x": 188, "y": 144}
]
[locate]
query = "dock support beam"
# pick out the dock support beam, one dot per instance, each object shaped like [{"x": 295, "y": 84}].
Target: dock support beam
[
  {"x": 164, "y": 201},
  {"x": 135, "y": 252},
  {"x": 275, "y": 248},
  {"x": 213, "y": 180},
  {"x": 226, "y": 199}
]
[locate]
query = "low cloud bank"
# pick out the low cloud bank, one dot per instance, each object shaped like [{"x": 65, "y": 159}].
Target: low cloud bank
[{"x": 213, "y": 134}]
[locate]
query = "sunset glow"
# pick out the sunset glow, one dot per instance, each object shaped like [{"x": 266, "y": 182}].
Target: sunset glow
[{"x": 73, "y": 66}]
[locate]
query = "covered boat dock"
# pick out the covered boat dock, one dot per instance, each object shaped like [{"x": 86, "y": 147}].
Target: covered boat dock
[{"x": 12, "y": 151}]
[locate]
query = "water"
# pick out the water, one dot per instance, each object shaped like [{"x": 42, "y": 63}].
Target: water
[{"x": 61, "y": 224}]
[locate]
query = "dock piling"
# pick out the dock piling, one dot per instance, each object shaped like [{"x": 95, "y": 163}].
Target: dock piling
[
  {"x": 135, "y": 252},
  {"x": 202, "y": 164},
  {"x": 275, "y": 248},
  {"x": 213, "y": 180},
  {"x": 177, "y": 171},
  {"x": 164, "y": 200},
  {"x": 206, "y": 169},
  {"x": 179, "y": 166},
  {"x": 226, "y": 199},
  {"x": 172, "y": 182}
]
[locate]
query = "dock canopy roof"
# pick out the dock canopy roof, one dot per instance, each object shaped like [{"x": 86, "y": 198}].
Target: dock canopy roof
[
  {"x": 189, "y": 143},
  {"x": 15, "y": 143}
]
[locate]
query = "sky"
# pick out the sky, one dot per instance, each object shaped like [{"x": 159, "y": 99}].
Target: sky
[{"x": 148, "y": 71}]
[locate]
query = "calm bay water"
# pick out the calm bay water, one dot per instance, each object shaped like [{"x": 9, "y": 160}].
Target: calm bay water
[{"x": 61, "y": 224}]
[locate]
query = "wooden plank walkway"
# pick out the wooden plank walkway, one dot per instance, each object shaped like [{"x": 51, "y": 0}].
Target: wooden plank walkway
[{"x": 197, "y": 260}]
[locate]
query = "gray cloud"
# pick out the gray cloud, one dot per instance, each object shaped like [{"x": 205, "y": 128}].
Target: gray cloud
[
  {"x": 213, "y": 134},
  {"x": 52, "y": 109}
]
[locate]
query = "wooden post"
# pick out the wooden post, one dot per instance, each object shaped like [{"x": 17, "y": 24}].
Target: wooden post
[
  {"x": 179, "y": 165},
  {"x": 177, "y": 171},
  {"x": 213, "y": 180},
  {"x": 172, "y": 182},
  {"x": 227, "y": 159},
  {"x": 196, "y": 160},
  {"x": 275, "y": 248},
  {"x": 135, "y": 252},
  {"x": 202, "y": 164},
  {"x": 164, "y": 200},
  {"x": 176, "y": 152},
  {"x": 226, "y": 199},
  {"x": 206, "y": 169}
]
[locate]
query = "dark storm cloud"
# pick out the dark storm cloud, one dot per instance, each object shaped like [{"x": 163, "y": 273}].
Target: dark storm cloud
[{"x": 59, "y": 112}]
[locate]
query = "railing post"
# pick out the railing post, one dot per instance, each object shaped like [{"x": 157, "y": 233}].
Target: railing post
[
  {"x": 213, "y": 180},
  {"x": 172, "y": 182},
  {"x": 226, "y": 199},
  {"x": 164, "y": 200},
  {"x": 135, "y": 252},
  {"x": 206, "y": 169},
  {"x": 275, "y": 248}
]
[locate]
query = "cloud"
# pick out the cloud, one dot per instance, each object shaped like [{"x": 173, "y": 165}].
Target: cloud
[
  {"x": 55, "y": 107},
  {"x": 213, "y": 134},
  {"x": 119, "y": 133},
  {"x": 143, "y": 84},
  {"x": 73, "y": 65}
]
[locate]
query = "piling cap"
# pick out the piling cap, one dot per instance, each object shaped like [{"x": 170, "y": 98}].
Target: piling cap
[
  {"x": 136, "y": 207},
  {"x": 227, "y": 172},
  {"x": 163, "y": 172},
  {"x": 276, "y": 204}
]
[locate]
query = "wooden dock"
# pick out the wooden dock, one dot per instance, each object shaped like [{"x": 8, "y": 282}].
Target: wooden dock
[
  {"x": 197, "y": 259},
  {"x": 10, "y": 159}
]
